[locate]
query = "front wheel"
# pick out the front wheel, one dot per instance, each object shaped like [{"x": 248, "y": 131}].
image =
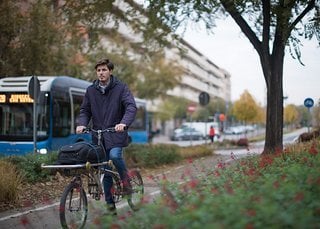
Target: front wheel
[
  {"x": 73, "y": 206},
  {"x": 136, "y": 197}
]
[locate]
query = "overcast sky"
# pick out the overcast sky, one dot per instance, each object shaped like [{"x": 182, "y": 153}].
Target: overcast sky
[{"x": 231, "y": 50}]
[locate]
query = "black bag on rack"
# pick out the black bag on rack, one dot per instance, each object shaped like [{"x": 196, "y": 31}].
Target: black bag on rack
[{"x": 80, "y": 153}]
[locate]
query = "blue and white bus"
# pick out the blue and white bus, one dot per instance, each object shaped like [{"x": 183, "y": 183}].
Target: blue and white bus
[{"x": 58, "y": 105}]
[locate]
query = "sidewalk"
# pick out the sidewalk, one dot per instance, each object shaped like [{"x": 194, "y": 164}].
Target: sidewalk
[{"x": 161, "y": 139}]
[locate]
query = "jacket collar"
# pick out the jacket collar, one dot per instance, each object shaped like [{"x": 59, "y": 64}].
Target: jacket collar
[{"x": 102, "y": 89}]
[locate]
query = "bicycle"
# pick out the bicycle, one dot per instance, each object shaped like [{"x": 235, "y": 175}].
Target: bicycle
[{"x": 73, "y": 208}]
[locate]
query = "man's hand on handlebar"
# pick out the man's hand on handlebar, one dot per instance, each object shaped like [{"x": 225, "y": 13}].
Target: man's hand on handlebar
[
  {"x": 80, "y": 129},
  {"x": 120, "y": 127}
]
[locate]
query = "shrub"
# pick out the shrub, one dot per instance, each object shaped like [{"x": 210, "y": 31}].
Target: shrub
[
  {"x": 10, "y": 179},
  {"x": 225, "y": 143},
  {"x": 308, "y": 136},
  {"x": 152, "y": 155},
  {"x": 147, "y": 156},
  {"x": 195, "y": 151},
  {"x": 29, "y": 165},
  {"x": 241, "y": 142}
]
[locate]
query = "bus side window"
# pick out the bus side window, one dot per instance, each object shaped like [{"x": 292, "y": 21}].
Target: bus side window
[
  {"x": 77, "y": 101},
  {"x": 139, "y": 123},
  {"x": 61, "y": 119}
]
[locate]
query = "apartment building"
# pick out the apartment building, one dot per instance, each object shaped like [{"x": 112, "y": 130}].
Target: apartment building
[{"x": 200, "y": 73}]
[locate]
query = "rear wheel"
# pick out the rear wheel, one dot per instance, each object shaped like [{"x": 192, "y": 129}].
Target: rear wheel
[
  {"x": 73, "y": 206},
  {"x": 135, "y": 198}
]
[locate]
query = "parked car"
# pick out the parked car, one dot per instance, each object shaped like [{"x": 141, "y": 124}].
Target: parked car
[
  {"x": 239, "y": 129},
  {"x": 203, "y": 127},
  {"x": 181, "y": 134},
  {"x": 234, "y": 130}
]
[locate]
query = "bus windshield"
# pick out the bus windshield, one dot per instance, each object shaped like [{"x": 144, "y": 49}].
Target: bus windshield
[{"x": 16, "y": 115}]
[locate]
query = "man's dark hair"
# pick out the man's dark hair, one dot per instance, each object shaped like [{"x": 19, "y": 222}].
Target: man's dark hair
[{"x": 105, "y": 62}]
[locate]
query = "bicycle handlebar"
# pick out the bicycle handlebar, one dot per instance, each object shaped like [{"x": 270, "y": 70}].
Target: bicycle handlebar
[
  {"x": 110, "y": 130},
  {"x": 99, "y": 132},
  {"x": 88, "y": 130}
]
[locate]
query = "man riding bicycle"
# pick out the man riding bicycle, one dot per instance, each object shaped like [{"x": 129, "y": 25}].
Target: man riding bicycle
[{"x": 108, "y": 102}]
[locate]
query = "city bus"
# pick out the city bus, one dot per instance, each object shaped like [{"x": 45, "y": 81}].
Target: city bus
[{"x": 58, "y": 106}]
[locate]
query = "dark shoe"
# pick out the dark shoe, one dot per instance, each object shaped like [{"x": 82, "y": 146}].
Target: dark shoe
[{"x": 112, "y": 208}]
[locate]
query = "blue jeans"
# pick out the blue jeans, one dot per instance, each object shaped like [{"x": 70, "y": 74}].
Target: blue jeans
[{"x": 115, "y": 154}]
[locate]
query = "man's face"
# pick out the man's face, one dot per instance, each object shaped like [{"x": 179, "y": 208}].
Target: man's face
[{"x": 103, "y": 73}]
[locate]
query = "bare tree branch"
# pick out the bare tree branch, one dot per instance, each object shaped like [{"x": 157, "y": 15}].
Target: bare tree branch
[
  {"x": 245, "y": 28},
  {"x": 309, "y": 7}
]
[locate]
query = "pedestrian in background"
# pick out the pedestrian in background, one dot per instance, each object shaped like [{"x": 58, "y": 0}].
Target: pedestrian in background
[{"x": 211, "y": 134}]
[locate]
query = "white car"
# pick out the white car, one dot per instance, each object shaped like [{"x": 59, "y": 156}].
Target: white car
[
  {"x": 234, "y": 130},
  {"x": 181, "y": 134},
  {"x": 203, "y": 127}
]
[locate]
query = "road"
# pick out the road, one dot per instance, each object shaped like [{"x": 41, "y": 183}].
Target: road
[
  {"x": 287, "y": 138},
  {"x": 47, "y": 216}
]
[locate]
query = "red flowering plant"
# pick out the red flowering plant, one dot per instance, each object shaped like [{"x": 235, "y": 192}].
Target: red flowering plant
[{"x": 275, "y": 191}]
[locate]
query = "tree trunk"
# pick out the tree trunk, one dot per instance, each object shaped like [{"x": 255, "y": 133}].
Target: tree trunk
[{"x": 273, "y": 73}]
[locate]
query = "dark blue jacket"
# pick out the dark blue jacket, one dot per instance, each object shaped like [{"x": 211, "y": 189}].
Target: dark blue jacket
[{"x": 107, "y": 108}]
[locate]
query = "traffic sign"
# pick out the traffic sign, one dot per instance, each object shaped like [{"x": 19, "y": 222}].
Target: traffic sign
[
  {"x": 222, "y": 117},
  {"x": 34, "y": 91},
  {"x": 308, "y": 102},
  {"x": 191, "y": 108},
  {"x": 204, "y": 98},
  {"x": 34, "y": 87}
]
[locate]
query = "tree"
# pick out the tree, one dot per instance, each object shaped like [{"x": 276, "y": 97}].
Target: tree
[
  {"x": 172, "y": 107},
  {"x": 40, "y": 42},
  {"x": 46, "y": 37},
  {"x": 270, "y": 26},
  {"x": 34, "y": 40},
  {"x": 145, "y": 69},
  {"x": 10, "y": 22},
  {"x": 261, "y": 116},
  {"x": 304, "y": 115},
  {"x": 245, "y": 109},
  {"x": 216, "y": 106},
  {"x": 157, "y": 77},
  {"x": 291, "y": 114}
]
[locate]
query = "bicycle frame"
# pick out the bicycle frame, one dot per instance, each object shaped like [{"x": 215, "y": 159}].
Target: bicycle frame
[
  {"x": 75, "y": 194},
  {"x": 94, "y": 171}
]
